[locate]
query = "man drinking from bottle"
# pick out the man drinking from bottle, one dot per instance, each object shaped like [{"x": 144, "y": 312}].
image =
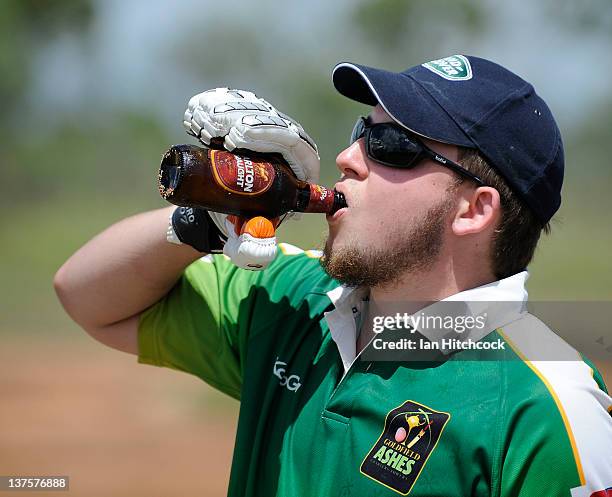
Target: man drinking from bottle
[{"x": 449, "y": 181}]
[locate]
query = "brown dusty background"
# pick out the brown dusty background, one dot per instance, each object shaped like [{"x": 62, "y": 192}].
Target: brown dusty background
[{"x": 115, "y": 427}]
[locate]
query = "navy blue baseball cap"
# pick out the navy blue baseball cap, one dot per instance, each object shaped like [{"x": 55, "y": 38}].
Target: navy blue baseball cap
[{"x": 472, "y": 102}]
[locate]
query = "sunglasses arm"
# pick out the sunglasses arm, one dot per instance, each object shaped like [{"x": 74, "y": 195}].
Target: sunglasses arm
[{"x": 454, "y": 166}]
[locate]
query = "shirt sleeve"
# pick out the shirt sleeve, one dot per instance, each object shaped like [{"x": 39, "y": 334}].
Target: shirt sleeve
[
  {"x": 538, "y": 457},
  {"x": 547, "y": 450},
  {"x": 199, "y": 327}
]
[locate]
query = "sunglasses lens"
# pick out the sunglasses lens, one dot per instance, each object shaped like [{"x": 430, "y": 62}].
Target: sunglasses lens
[
  {"x": 358, "y": 130},
  {"x": 389, "y": 144}
]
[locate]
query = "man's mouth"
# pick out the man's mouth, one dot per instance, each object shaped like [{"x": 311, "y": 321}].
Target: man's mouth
[
  {"x": 338, "y": 187},
  {"x": 340, "y": 212},
  {"x": 336, "y": 215}
]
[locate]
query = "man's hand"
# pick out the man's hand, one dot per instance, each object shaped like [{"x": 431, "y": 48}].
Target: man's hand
[
  {"x": 249, "y": 244},
  {"x": 246, "y": 122},
  {"x": 195, "y": 227}
]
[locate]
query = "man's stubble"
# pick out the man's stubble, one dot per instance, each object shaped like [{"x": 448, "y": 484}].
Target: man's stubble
[{"x": 401, "y": 253}]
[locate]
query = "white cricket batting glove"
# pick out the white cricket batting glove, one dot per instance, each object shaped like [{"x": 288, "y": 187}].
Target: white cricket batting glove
[
  {"x": 250, "y": 244},
  {"x": 248, "y": 122},
  {"x": 245, "y": 121}
]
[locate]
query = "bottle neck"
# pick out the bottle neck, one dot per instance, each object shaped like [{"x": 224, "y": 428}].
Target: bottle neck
[
  {"x": 339, "y": 202},
  {"x": 316, "y": 198}
]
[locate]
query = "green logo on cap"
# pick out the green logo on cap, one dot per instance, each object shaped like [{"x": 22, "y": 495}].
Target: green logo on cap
[{"x": 454, "y": 67}]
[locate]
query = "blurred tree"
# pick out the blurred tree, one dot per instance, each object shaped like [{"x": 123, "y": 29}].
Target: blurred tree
[
  {"x": 110, "y": 158},
  {"x": 25, "y": 26},
  {"x": 402, "y": 30}
]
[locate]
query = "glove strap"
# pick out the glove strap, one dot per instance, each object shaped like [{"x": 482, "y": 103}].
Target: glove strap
[{"x": 193, "y": 227}]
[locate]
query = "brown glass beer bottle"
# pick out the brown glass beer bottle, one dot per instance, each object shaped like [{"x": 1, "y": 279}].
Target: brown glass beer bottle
[{"x": 242, "y": 185}]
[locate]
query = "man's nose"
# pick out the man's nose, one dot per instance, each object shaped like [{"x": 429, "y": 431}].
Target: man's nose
[{"x": 352, "y": 161}]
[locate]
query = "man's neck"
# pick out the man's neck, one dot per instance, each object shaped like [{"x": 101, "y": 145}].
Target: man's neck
[
  {"x": 437, "y": 282},
  {"x": 416, "y": 290}
]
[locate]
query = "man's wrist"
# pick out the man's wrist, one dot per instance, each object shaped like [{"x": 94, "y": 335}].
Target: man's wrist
[
  {"x": 193, "y": 227},
  {"x": 171, "y": 235}
]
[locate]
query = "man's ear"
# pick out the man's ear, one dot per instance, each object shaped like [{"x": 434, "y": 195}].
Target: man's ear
[{"x": 478, "y": 211}]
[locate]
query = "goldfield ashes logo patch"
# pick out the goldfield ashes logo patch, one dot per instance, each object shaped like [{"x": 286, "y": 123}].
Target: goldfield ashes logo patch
[
  {"x": 410, "y": 435},
  {"x": 453, "y": 68}
]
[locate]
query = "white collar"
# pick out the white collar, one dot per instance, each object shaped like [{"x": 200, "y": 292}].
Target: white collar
[
  {"x": 477, "y": 301},
  {"x": 510, "y": 289}
]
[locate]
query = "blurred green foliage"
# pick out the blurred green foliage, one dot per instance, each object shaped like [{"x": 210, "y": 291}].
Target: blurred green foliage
[
  {"x": 395, "y": 25},
  {"x": 66, "y": 183},
  {"x": 25, "y": 26}
]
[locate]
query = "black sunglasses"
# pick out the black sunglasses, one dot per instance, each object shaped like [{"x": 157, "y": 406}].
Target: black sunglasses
[{"x": 391, "y": 145}]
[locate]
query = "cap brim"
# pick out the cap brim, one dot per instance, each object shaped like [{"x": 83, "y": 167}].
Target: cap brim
[{"x": 403, "y": 98}]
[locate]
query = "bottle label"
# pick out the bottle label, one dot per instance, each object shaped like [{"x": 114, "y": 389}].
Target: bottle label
[
  {"x": 241, "y": 175},
  {"x": 321, "y": 199}
]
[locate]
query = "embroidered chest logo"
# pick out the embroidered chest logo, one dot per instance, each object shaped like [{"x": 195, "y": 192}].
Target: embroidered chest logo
[
  {"x": 410, "y": 435},
  {"x": 291, "y": 381}
]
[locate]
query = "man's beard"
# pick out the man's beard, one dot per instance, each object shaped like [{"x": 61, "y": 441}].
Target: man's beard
[{"x": 402, "y": 253}]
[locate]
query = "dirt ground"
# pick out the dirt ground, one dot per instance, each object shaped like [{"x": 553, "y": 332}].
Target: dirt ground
[{"x": 116, "y": 428}]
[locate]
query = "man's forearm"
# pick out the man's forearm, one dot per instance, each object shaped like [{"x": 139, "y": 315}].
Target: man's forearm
[{"x": 122, "y": 271}]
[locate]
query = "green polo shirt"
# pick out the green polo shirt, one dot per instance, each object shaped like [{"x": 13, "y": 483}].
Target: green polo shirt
[{"x": 316, "y": 423}]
